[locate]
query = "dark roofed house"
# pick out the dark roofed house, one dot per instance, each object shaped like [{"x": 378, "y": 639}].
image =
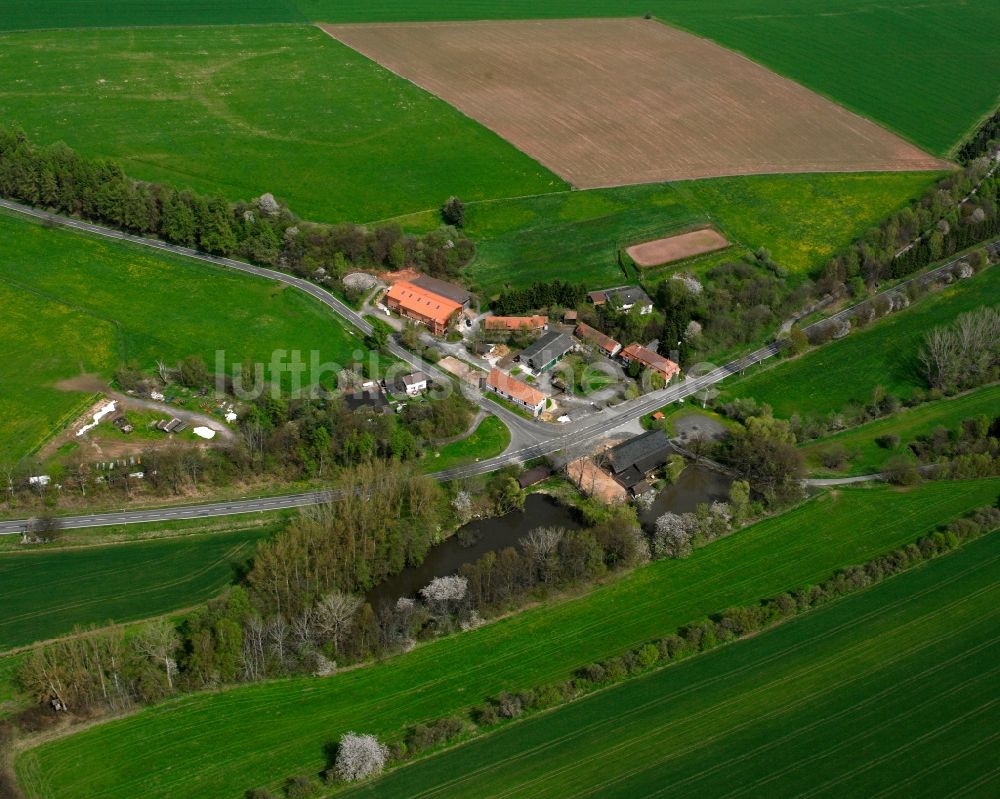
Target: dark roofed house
[
  {"x": 369, "y": 399},
  {"x": 444, "y": 289},
  {"x": 544, "y": 352},
  {"x": 624, "y": 297},
  {"x": 632, "y": 461}
]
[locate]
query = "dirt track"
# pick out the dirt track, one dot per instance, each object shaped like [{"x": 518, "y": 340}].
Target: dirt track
[
  {"x": 610, "y": 102},
  {"x": 675, "y": 248}
]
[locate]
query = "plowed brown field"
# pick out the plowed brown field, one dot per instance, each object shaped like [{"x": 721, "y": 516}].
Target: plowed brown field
[
  {"x": 676, "y": 248},
  {"x": 616, "y": 101}
]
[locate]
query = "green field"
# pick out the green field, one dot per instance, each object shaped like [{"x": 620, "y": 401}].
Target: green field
[
  {"x": 45, "y": 341},
  {"x": 801, "y": 219},
  {"x": 924, "y": 69},
  {"x": 489, "y": 439},
  {"x": 11, "y": 695},
  {"x": 884, "y": 354},
  {"x": 242, "y": 111},
  {"x": 219, "y": 745},
  {"x": 19, "y": 15},
  {"x": 867, "y": 457},
  {"x": 45, "y": 594},
  {"x": 891, "y": 692},
  {"x": 82, "y": 304}
]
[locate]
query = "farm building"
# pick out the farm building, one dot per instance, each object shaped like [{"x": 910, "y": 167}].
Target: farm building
[
  {"x": 655, "y": 362},
  {"x": 513, "y": 390},
  {"x": 544, "y": 353},
  {"x": 444, "y": 289},
  {"x": 624, "y": 298},
  {"x": 435, "y": 311},
  {"x": 607, "y": 345},
  {"x": 503, "y": 325},
  {"x": 632, "y": 461}
]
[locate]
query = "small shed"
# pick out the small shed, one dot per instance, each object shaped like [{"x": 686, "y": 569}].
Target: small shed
[{"x": 534, "y": 476}]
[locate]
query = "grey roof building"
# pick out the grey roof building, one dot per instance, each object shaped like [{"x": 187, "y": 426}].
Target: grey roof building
[
  {"x": 444, "y": 289},
  {"x": 543, "y": 353},
  {"x": 625, "y": 297},
  {"x": 632, "y": 460}
]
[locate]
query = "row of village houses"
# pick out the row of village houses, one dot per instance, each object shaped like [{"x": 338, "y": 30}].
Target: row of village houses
[
  {"x": 546, "y": 351},
  {"x": 438, "y": 304}
]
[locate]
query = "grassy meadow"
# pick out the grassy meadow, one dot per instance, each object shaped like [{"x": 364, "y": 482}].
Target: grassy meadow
[
  {"x": 489, "y": 439},
  {"x": 220, "y": 744},
  {"x": 886, "y": 692},
  {"x": 801, "y": 219},
  {"x": 867, "y": 456},
  {"x": 77, "y": 304},
  {"x": 45, "y": 341},
  {"x": 884, "y": 354},
  {"x": 19, "y": 15},
  {"x": 925, "y": 70},
  {"x": 46, "y": 593},
  {"x": 245, "y": 110},
  {"x": 12, "y": 698}
]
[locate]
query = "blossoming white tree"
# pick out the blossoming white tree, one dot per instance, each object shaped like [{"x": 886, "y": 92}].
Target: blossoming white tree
[
  {"x": 443, "y": 594},
  {"x": 360, "y": 756}
]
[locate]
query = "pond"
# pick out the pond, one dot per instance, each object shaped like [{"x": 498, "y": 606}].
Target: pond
[
  {"x": 471, "y": 542},
  {"x": 695, "y": 485}
]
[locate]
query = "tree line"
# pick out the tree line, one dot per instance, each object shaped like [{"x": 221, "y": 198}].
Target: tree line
[
  {"x": 935, "y": 226},
  {"x": 263, "y": 231},
  {"x": 298, "y": 610},
  {"x": 537, "y": 296},
  {"x": 984, "y": 142},
  {"x": 971, "y": 450}
]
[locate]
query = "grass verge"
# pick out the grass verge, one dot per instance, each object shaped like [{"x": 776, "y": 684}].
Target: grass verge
[{"x": 488, "y": 440}]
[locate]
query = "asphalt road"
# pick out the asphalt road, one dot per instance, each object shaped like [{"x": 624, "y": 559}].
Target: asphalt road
[
  {"x": 555, "y": 439},
  {"x": 529, "y": 439}
]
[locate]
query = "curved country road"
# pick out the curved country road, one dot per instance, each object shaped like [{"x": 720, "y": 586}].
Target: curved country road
[{"x": 530, "y": 439}]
